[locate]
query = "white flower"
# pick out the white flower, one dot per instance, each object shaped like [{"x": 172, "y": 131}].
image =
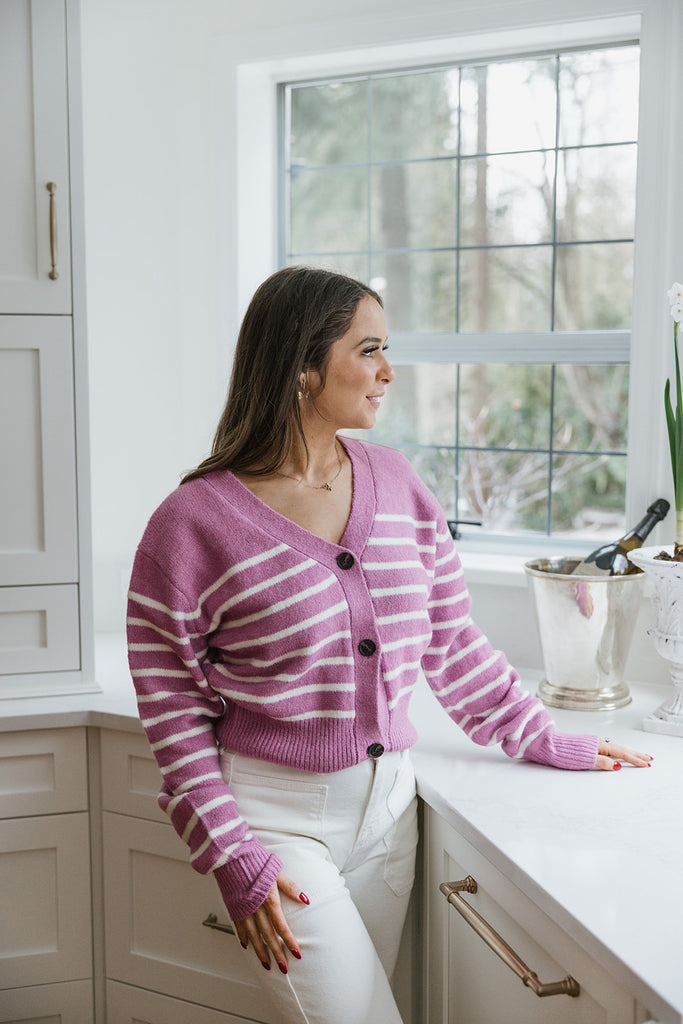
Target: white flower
[
  {"x": 677, "y": 311},
  {"x": 675, "y": 293}
]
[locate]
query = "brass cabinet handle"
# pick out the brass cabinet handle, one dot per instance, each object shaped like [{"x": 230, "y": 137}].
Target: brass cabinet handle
[
  {"x": 213, "y": 922},
  {"x": 52, "y": 188},
  {"x": 451, "y": 890}
]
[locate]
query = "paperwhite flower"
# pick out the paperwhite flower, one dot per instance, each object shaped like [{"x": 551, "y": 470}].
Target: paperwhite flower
[
  {"x": 675, "y": 293},
  {"x": 677, "y": 311}
]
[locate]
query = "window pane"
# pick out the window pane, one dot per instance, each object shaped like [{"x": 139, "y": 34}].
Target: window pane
[
  {"x": 593, "y": 285},
  {"x": 599, "y": 96},
  {"x": 352, "y": 264},
  {"x": 588, "y": 494},
  {"x": 596, "y": 193},
  {"x": 419, "y": 406},
  {"x": 506, "y": 491},
  {"x": 415, "y": 116},
  {"x": 329, "y": 124},
  {"x": 508, "y": 107},
  {"x": 414, "y": 205},
  {"x": 329, "y": 210},
  {"x": 505, "y": 289},
  {"x": 504, "y": 406},
  {"x": 507, "y": 200},
  {"x": 418, "y": 289},
  {"x": 591, "y": 408}
]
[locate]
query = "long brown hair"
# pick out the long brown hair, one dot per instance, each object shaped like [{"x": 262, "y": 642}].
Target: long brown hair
[{"x": 290, "y": 325}]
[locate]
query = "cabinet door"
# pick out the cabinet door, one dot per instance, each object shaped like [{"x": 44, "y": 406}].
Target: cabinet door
[
  {"x": 43, "y": 771},
  {"x": 45, "y": 932},
  {"x": 155, "y": 909},
  {"x": 37, "y": 461},
  {"x": 468, "y": 984},
  {"x": 34, "y": 132}
]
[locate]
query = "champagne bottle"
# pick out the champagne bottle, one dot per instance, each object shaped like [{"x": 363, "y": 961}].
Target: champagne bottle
[{"x": 612, "y": 559}]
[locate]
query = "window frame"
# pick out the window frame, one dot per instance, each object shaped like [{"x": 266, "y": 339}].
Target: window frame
[{"x": 249, "y": 69}]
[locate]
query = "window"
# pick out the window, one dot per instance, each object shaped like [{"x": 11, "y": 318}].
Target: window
[{"x": 492, "y": 205}]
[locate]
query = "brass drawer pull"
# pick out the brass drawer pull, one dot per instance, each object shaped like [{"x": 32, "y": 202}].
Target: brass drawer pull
[
  {"x": 213, "y": 922},
  {"x": 451, "y": 890},
  {"x": 52, "y": 188}
]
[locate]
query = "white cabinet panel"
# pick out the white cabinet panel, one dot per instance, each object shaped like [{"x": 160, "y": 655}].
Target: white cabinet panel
[
  {"x": 38, "y": 633},
  {"x": 45, "y": 931},
  {"x": 155, "y": 906},
  {"x": 468, "y": 984},
  {"x": 43, "y": 771},
  {"x": 34, "y": 130},
  {"x": 128, "y": 1005},
  {"x": 68, "y": 1003},
  {"x": 131, "y": 779},
  {"x": 38, "y": 521}
]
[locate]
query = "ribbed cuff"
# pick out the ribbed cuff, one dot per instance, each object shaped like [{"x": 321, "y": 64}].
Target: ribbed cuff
[
  {"x": 565, "y": 750},
  {"x": 245, "y": 881}
]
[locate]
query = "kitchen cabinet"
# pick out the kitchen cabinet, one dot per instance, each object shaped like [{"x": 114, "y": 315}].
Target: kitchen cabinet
[
  {"x": 45, "y": 933},
  {"x": 166, "y": 929},
  {"x": 45, "y": 637},
  {"x": 467, "y": 983}
]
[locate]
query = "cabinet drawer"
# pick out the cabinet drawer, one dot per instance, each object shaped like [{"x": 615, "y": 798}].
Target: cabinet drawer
[
  {"x": 128, "y": 1005},
  {"x": 43, "y": 772},
  {"x": 45, "y": 933},
  {"x": 155, "y": 904},
  {"x": 68, "y": 1003},
  {"x": 131, "y": 779},
  {"x": 39, "y": 632},
  {"x": 469, "y": 984}
]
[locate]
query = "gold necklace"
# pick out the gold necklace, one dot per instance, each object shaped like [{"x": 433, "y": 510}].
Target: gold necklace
[{"x": 316, "y": 487}]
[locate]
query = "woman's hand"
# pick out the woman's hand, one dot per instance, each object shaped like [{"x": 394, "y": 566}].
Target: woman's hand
[
  {"x": 267, "y": 929},
  {"x": 610, "y": 756}
]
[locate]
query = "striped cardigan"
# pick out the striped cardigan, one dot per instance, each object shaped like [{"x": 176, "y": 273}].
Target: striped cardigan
[{"x": 249, "y": 632}]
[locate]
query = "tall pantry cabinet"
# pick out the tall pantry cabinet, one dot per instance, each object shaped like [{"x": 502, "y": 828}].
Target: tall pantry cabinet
[{"x": 45, "y": 598}]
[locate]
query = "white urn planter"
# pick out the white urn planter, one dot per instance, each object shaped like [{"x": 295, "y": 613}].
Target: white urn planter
[{"x": 667, "y": 605}]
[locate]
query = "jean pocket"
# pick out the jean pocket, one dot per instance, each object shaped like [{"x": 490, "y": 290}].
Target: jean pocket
[{"x": 275, "y": 803}]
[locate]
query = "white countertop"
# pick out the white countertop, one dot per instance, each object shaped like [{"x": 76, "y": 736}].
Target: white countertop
[{"x": 601, "y": 853}]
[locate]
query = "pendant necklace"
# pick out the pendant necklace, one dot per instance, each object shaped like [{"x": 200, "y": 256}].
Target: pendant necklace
[{"x": 327, "y": 486}]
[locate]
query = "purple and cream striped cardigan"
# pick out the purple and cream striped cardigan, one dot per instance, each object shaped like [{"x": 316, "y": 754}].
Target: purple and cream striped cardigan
[{"x": 249, "y": 632}]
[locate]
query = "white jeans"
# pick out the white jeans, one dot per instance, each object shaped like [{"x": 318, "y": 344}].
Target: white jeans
[{"x": 347, "y": 839}]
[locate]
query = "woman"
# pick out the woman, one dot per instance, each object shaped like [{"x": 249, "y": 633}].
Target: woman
[{"x": 283, "y": 600}]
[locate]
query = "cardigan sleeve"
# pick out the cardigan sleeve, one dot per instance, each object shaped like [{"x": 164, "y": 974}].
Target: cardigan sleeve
[
  {"x": 178, "y": 710},
  {"x": 476, "y": 685}
]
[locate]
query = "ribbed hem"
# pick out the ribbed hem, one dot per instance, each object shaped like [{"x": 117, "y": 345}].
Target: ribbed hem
[
  {"x": 565, "y": 750},
  {"x": 245, "y": 881},
  {"x": 313, "y": 745}
]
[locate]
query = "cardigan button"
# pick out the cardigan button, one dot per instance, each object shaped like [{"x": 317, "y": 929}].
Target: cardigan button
[
  {"x": 345, "y": 560},
  {"x": 367, "y": 648},
  {"x": 375, "y": 750}
]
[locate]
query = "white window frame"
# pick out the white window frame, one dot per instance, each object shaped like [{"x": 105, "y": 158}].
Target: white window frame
[{"x": 248, "y": 69}]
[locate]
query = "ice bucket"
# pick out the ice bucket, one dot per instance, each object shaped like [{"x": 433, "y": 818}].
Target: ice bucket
[{"x": 585, "y": 625}]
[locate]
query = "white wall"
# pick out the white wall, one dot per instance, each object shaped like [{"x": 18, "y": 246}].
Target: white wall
[{"x": 162, "y": 296}]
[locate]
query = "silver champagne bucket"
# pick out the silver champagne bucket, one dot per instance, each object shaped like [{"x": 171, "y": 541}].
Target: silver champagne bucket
[{"x": 585, "y": 625}]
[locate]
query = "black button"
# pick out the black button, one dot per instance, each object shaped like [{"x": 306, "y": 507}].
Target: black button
[
  {"x": 375, "y": 750},
  {"x": 345, "y": 560},
  {"x": 367, "y": 648}
]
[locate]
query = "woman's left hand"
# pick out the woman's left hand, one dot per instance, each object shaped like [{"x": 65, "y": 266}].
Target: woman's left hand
[{"x": 610, "y": 756}]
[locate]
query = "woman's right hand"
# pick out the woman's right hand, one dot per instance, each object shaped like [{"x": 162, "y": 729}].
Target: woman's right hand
[{"x": 267, "y": 929}]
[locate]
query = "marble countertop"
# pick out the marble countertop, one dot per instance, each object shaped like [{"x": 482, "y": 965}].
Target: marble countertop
[{"x": 599, "y": 852}]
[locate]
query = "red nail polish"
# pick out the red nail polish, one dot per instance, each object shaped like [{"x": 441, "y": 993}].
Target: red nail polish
[
  {"x": 266, "y": 964},
  {"x": 617, "y": 766},
  {"x": 304, "y": 899},
  {"x": 296, "y": 953},
  {"x": 283, "y": 967}
]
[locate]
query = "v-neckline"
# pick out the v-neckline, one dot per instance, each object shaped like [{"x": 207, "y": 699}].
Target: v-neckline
[{"x": 358, "y": 524}]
